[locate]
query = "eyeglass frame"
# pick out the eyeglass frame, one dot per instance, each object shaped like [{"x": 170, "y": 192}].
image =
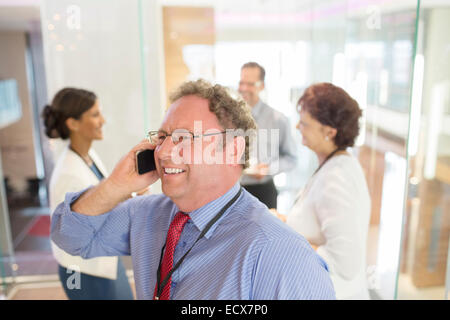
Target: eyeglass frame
[
  {"x": 255, "y": 84},
  {"x": 149, "y": 134}
]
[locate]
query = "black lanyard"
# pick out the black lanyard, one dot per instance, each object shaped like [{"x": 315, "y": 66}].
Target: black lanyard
[
  {"x": 317, "y": 170},
  {"x": 161, "y": 285},
  {"x": 326, "y": 159},
  {"x": 92, "y": 167}
]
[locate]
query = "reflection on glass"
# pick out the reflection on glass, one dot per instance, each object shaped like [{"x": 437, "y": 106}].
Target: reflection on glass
[
  {"x": 366, "y": 48},
  {"x": 425, "y": 241},
  {"x": 394, "y": 62}
]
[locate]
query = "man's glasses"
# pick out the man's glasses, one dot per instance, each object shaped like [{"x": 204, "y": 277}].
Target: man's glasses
[
  {"x": 178, "y": 136},
  {"x": 250, "y": 84}
]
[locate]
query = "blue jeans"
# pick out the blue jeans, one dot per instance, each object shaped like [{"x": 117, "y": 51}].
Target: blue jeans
[{"x": 88, "y": 287}]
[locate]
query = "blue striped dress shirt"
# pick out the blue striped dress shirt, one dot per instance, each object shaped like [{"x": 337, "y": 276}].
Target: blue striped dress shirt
[{"x": 247, "y": 254}]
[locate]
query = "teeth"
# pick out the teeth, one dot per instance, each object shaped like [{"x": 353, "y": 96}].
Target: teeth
[{"x": 172, "y": 170}]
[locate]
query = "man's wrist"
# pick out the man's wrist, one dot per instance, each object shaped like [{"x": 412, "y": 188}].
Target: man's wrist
[
  {"x": 112, "y": 191},
  {"x": 100, "y": 199}
]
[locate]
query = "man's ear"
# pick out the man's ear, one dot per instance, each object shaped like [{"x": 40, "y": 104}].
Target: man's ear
[
  {"x": 72, "y": 124},
  {"x": 235, "y": 151}
]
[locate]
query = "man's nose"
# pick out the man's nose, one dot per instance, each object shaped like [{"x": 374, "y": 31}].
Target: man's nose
[
  {"x": 243, "y": 86},
  {"x": 164, "y": 150}
]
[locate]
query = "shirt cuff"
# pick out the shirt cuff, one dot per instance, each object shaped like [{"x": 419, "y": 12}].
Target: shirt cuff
[{"x": 95, "y": 222}]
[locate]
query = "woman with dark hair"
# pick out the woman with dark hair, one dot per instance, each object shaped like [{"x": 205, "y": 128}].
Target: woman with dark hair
[
  {"x": 333, "y": 210},
  {"x": 75, "y": 114}
]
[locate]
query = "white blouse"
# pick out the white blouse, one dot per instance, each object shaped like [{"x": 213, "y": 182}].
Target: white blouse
[
  {"x": 69, "y": 175},
  {"x": 333, "y": 212}
]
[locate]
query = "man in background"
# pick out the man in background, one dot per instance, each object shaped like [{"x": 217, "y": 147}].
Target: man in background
[{"x": 258, "y": 179}]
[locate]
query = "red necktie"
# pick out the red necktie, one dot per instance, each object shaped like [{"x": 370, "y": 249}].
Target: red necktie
[{"x": 173, "y": 235}]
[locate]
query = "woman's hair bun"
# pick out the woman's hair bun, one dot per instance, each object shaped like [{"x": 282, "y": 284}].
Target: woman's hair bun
[
  {"x": 50, "y": 122},
  {"x": 67, "y": 103}
]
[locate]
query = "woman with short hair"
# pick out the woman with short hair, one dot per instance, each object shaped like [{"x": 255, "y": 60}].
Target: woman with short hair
[{"x": 333, "y": 210}]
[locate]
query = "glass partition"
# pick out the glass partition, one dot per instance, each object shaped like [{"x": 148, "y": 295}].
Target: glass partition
[
  {"x": 378, "y": 54},
  {"x": 132, "y": 51},
  {"x": 425, "y": 240},
  {"x": 367, "y": 48},
  {"x": 112, "y": 48},
  {"x": 6, "y": 251},
  {"x": 391, "y": 56}
]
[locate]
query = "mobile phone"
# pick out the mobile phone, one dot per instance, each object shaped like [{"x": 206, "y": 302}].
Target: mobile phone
[{"x": 145, "y": 161}]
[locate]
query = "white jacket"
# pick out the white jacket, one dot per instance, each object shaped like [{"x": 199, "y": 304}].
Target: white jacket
[
  {"x": 72, "y": 174},
  {"x": 333, "y": 212}
]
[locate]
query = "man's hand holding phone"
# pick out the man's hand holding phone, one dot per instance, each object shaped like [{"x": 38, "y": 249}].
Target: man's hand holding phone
[
  {"x": 126, "y": 176},
  {"x": 118, "y": 187}
]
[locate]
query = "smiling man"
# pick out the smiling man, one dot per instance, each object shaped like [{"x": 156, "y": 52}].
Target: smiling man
[
  {"x": 204, "y": 237},
  {"x": 258, "y": 180}
]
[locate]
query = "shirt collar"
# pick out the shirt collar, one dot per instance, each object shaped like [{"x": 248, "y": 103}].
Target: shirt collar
[
  {"x": 256, "y": 108},
  {"x": 201, "y": 216}
]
